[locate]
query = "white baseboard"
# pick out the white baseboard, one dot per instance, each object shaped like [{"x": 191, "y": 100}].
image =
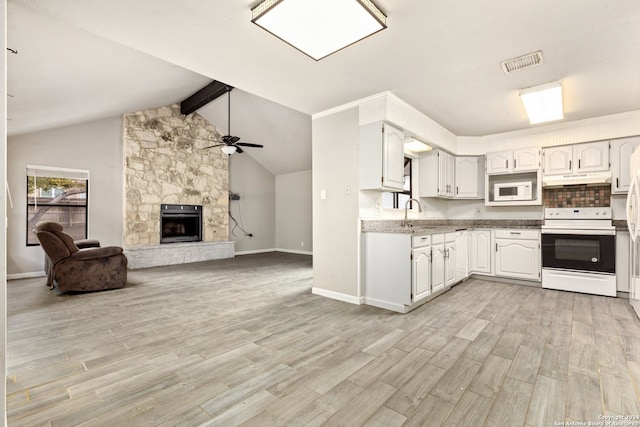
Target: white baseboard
[
  {"x": 262, "y": 251},
  {"x": 294, "y": 251},
  {"x": 336, "y": 295},
  {"x": 399, "y": 308},
  {"x": 26, "y": 275},
  {"x": 256, "y": 251}
]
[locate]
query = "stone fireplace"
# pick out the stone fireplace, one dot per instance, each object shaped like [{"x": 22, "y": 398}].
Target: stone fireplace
[
  {"x": 166, "y": 164},
  {"x": 180, "y": 223}
]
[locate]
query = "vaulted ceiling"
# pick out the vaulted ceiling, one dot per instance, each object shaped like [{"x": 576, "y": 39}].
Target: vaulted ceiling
[{"x": 83, "y": 60}]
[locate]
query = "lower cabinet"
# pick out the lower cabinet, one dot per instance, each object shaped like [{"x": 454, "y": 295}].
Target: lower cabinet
[
  {"x": 518, "y": 254},
  {"x": 481, "y": 252},
  {"x": 400, "y": 270}
]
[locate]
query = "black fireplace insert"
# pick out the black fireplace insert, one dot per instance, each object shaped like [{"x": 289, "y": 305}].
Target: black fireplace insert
[{"x": 180, "y": 223}]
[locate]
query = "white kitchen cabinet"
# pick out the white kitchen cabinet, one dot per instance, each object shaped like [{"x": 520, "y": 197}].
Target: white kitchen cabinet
[
  {"x": 438, "y": 259},
  {"x": 522, "y": 160},
  {"x": 436, "y": 174},
  {"x": 577, "y": 158},
  {"x": 517, "y": 254},
  {"x": 444, "y": 175},
  {"x": 462, "y": 255},
  {"x": 469, "y": 177},
  {"x": 623, "y": 272},
  {"x": 421, "y": 268},
  {"x": 480, "y": 252},
  {"x": 621, "y": 150},
  {"x": 526, "y": 160},
  {"x": 450, "y": 261},
  {"x": 381, "y": 157}
]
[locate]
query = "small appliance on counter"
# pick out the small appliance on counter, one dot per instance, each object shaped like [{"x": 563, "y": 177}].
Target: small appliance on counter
[
  {"x": 579, "y": 250},
  {"x": 508, "y": 191}
]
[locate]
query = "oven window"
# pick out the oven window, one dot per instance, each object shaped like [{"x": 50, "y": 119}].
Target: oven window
[
  {"x": 591, "y": 253},
  {"x": 578, "y": 250}
]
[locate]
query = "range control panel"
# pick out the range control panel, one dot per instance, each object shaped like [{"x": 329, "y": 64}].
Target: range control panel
[{"x": 578, "y": 213}]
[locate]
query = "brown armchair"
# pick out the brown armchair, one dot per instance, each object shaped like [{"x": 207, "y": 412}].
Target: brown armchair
[{"x": 92, "y": 269}]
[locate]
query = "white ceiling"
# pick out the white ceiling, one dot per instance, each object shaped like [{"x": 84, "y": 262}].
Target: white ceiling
[{"x": 93, "y": 58}]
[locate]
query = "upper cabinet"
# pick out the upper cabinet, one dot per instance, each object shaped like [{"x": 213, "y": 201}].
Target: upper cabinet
[
  {"x": 381, "y": 157},
  {"x": 621, "y": 150},
  {"x": 523, "y": 160},
  {"x": 444, "y": 175},
  {"x": 578, "y": 158}
]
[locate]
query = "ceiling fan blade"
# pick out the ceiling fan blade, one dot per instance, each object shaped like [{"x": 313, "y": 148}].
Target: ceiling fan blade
[
  {"x": 238, "y": 149},
  {"x": 247, "y": 144},
  {"x": 212, "y": 146},
  {"x": 230, "y": 139}
]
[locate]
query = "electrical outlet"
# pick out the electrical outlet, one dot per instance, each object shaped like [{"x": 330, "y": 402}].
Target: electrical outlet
[
  {"x": 302, "y": 244},
  {"x": 323, "y": 194},
  {"x": 378, "y": 207},
  {"x": 477, "y": 211},
  {"x": 347, "y": 190}
]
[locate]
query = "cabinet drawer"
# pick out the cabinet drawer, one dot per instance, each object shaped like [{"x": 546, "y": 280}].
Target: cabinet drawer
[
  {"x": 518, "y": 234},
  {"x": 437, "y": 238},
  {"x": 418, "y": 241}
]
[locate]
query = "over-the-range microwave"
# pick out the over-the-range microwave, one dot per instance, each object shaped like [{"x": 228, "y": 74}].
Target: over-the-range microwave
[{"x": 506, "y": 191}]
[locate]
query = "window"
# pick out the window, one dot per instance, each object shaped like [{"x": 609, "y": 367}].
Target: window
[
  {"x": 60, "y": 195},
  {"x": 397, "y": 200}
]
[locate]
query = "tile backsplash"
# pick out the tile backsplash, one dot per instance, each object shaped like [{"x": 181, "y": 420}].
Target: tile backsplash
[{"x": 577, "y": 196}]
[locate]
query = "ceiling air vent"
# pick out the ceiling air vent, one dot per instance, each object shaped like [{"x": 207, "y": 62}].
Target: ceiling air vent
[{"x": 524, "y": 61}]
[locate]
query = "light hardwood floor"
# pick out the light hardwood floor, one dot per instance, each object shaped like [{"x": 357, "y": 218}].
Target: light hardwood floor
[{"x": 244, "y": 341}]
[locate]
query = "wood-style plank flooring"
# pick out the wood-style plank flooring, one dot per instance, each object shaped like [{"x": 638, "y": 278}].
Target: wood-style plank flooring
[{"x": 244, "y": 342}]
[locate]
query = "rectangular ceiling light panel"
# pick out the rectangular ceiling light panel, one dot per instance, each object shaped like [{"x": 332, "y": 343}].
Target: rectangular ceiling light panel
[
  {"x": 319, "y": 28},
  {"x": 543, "y": 103}
]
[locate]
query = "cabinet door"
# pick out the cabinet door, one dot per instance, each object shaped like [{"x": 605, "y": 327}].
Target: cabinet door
[
  {"x": 445, "y": 174},
  {"x": 518, "y": 259},
  {"x": 392, "y": 157},
  {"x": 451, "y": 256},
  {"x": 558, "y": 160},
  {"x": 462, "y": 255},
  {"x": 500, "y": 162},
  {"x": 621, "y": 151},
  {"x": 421, "y": 273},
  {"x": 437, "y": 272},
  {"x": 466, "y": 177},
  {"x": 480, "y": 252},
  {"x": 591, "y": 157},
  {"x": 527, "y": 159}
]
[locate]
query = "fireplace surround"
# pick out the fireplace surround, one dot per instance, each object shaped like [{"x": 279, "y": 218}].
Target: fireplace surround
[{"x": 180, "y": 223}]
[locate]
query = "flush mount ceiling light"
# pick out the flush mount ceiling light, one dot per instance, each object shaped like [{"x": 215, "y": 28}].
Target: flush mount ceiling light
[
  {"x": 415, "y": 146},
  {"x": 543, "y": 103},
  {"x": 319, "y": 28}
]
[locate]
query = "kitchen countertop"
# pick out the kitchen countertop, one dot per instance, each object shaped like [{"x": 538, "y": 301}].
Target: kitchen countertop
[{"x": 431, "y": 226}]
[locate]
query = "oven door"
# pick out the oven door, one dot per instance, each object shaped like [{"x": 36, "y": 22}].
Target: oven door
[{"x": 579, "y": 252}]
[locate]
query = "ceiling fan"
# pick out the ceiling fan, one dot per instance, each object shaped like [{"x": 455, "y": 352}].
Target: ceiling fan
[{"x": 230, "y": 144}]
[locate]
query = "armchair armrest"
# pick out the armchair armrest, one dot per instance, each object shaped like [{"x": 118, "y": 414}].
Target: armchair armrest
[
  {"x": 93, "y": 253},
  {"x": 87, "y": 243}
]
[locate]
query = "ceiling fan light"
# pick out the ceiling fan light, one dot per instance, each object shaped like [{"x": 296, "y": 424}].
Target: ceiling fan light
[
  {"x": 228, "y": 149},
  {"x": 543, "y": 103},
  {"x": 319, "y": 28}
]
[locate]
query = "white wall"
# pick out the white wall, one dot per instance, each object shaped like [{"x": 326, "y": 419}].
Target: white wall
[
  {"x": 96, "y": 146},
  {"x": 336, "y": 222},
  {"x": 256, "y": 209},
  {"x": 3, "y": 221},
  {"x": 294, "y": 212}
]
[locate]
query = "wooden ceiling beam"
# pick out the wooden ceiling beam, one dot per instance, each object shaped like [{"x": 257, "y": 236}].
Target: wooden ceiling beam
[{"x": 204, "y": 96}]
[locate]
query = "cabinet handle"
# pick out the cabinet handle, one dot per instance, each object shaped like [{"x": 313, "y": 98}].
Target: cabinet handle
[
  {"x": 515, "y": 232},
  {"x": 515, "y": 162},
  {"x": 496, "y": 247},
  {"x": 569, "y": 164},
  {"x": 617, "y": 182},
  {"x": 506, "y": 164},
  {"x": 578, "y": 163},
  {"x": 457, "y": 190}
]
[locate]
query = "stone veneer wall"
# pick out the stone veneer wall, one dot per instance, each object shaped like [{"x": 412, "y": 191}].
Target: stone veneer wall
[{"x": 165, "y": 163}]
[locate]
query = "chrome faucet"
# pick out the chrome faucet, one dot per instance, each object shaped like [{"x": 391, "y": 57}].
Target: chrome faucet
[{"x": 406, "y": 207}]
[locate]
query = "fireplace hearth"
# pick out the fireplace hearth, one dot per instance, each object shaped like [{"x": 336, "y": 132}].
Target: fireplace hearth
[{"x": 180, "y": 223}]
